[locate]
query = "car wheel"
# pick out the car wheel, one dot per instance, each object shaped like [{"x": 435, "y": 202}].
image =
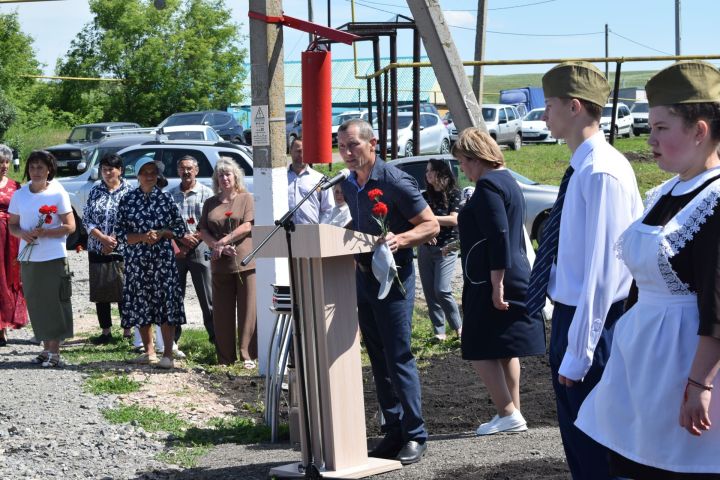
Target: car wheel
[
  {"x": 445, "y": 146},
  {"x": 517, "y": 142},
  {"x": 409, "y": 152},
  {"x": 636, "y": 132}
]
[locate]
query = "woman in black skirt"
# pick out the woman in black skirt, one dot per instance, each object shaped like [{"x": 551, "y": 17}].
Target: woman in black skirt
[{"x": 496, "y": 326}]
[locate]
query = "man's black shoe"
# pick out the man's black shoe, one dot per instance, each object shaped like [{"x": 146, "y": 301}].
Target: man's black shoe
[
  {"x": 412, "y": 452},
  {"x": 387, "y": 448},
  {"x": 102, "y": 339}
]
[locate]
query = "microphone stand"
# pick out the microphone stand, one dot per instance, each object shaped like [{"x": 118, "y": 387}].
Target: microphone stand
[{"x": 285, "y": 222}]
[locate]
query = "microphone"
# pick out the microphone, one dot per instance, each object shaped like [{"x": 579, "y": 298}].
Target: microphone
[{"x": 340, "y": 177}]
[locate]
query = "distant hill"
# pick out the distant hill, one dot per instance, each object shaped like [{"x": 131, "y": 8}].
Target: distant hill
[{"x": 495, "y": 83}]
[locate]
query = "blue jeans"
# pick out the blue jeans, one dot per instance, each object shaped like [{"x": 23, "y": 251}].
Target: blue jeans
[
  {"x": 587, "y": 459},
  {"x": 436, "y": 274},
  {"x": 386, "y": 327}
]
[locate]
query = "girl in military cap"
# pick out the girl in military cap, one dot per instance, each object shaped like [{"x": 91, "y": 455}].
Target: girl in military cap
[{"x": 654, "y": 407}]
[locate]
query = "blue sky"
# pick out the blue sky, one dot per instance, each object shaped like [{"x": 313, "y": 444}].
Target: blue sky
[{"x": 517, "y": 29}]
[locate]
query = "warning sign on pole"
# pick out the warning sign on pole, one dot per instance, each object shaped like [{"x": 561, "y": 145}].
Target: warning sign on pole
[{"x": 260, "y": 126}]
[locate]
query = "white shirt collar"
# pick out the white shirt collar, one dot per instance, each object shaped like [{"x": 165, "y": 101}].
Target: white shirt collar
[
  {"x": 581, "y": 155},
  {"x": 679, "y": 187}
]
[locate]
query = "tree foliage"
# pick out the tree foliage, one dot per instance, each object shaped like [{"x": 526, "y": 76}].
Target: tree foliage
[
  {"x": 185, "y": 57},
  {"x": 17, "y": 61}
]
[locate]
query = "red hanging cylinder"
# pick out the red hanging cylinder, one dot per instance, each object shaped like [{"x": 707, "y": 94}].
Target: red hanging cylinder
[{"x": 317, "y": 107}]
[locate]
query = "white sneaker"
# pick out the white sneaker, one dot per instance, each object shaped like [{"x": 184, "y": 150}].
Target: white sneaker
[
  {"x": 512, "y": 423},
  {"x": 166, "y": 363},
  {"x": 177, "y": 353}
]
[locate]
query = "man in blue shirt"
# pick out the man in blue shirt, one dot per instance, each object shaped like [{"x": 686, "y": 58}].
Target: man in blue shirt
[{"x": 386, "y": 324}]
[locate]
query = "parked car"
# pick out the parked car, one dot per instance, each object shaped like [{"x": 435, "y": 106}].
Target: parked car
[
  {"x": 81, "y": 140},
  {"x": 534, "y": 129},
  {"x": 434, "y": 136},
  {"x": 503, "y": 123},
  {"x": 167, "y": 153},
  {"x": 539, "y": 199},
  {"x": 224, "y": 123},
  {"x": 450, "y": 125},
  {"x": 341, "y": 118},
  {"x": 191, "y": 132},
  {"x": 424, "y": 108},
  {"x": 623, "y": 120},
  {"x": 640, "y": 117},
  {"x": 293, "y": 126}
]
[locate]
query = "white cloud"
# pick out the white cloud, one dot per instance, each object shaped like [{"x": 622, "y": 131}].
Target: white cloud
[{"x": 460, "y": 19}]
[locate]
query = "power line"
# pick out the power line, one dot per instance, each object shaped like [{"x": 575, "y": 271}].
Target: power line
[
  {"x": 638, "y": 43},
  {"x": 502, "y": 8},
  {"x": 364, "y": 4}
]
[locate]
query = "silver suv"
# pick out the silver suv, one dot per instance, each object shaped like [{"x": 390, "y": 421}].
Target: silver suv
[
  {"x": 503, "y": 123},
  {"x": 167, "y": 155}
]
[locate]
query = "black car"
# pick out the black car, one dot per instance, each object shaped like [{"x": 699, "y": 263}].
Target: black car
[
  {"x": 224, "y": 123},
  {"x": 82, "y": 140}
]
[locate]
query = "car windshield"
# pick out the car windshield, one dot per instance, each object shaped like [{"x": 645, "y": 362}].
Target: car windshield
[
  {"x": 85, "y": 134},
  {"x": 640, "y": 108},
  {"x": 489, "y": 114},
  {"x": 402, "y": 122},
  {"x": 189, "y": 119},
  {"x": 521, "y": 179},
  {"x": 185, "y": 135},
  {"x": 534, "y": 115},
  {"x": 289, "y": 117}
]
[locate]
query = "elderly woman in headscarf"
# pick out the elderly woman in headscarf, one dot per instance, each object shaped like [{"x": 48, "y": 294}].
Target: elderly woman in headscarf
[{"x": 147, "y": 220}]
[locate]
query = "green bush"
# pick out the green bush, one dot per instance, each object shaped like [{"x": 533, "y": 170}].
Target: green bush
[{"x": 8, "y": 114}]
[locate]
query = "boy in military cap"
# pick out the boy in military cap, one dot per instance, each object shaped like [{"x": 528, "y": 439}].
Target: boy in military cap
[{"x": 575, "y": 264}]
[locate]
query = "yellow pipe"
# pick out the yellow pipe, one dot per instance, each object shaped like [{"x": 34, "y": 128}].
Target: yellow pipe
[{"x": 51, "y": 77}]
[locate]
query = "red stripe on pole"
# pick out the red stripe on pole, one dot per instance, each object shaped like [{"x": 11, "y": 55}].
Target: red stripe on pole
[{"x": 317, "y": 107}]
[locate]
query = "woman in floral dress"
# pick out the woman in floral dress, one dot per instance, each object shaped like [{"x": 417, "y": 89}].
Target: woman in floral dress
[
  {"x": 147, "y": 220},
  {"x": 12, "y": 303}
]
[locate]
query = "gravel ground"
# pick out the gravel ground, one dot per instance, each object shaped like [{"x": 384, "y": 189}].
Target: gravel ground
[{"x": 50, "y": 428}]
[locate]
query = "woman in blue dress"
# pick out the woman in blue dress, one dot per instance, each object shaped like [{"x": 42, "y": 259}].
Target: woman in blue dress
[
  {"x": 497, "y": 328},
  {"x": 146, "y": 222}
]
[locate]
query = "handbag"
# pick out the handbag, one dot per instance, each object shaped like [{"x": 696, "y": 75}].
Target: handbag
[{"x": 106, "y": 282}]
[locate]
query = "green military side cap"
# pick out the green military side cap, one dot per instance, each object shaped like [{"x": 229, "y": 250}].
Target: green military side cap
[
  {"x": 580, "y": 80},
  {"x": 684, "y": 82}
]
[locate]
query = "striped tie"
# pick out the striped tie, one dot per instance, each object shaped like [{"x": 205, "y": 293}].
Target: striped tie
[{"x": 547, "y": 251}]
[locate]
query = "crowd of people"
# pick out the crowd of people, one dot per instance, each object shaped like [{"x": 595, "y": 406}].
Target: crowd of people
[{"x": 634, "y": 347}]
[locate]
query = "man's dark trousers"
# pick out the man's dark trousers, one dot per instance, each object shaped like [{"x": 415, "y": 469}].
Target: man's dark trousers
[
  {"x": 587, "y": 459},
  {"x": 199, "y": 269},
  {"x": 386, "y": 327}
]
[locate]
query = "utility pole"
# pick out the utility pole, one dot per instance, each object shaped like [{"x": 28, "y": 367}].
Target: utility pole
[
  {"x": 267, "y": 71},
  {"x": 607, "y": 50},
  {"x": 677, "y": 27},
  {"x": 447, "y": 63},
  {"x": 478, "y": 79}
]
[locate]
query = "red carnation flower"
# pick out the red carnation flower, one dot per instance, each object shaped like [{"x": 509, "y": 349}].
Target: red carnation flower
[
  {"x": 79, "y": 248},
  {"x": 53, "y": 209},
  {"x": 228, "y": 213},
  {"x": 380, "y": 209},
  {"x": 191, "y": 221},
  {"x": 48, "y": 218},
  {"x": 44, "y": 210},
  {"x": 374, "y": 194}
]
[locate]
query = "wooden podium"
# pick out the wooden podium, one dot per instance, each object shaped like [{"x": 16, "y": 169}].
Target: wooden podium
[{"x": 324, "y": 277}]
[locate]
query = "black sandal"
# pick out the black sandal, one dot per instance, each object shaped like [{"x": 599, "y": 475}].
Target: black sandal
[
  {"x": 42, "y": 358},
  {"x": 53, "y": 361}
]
